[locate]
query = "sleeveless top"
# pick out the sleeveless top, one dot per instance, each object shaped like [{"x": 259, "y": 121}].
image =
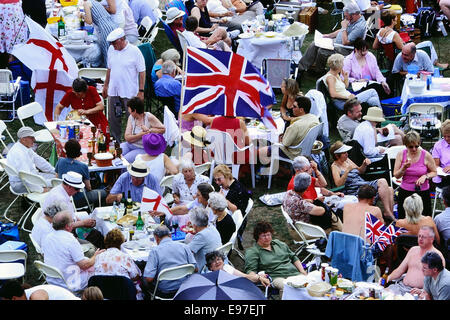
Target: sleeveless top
[
  {"x": 227, "y": 124},
  {"x": 340, "y": 85},
  {"x": 386, "y": 39},
  {"x": 205, "y": 21},
  {"x": 135, "y": 129},
  {"x": 156, "y": 166},
  {"x": 414, "y": 172}
]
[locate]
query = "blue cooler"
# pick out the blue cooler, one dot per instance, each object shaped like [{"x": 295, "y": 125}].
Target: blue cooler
[
  {"x": 178, "y": 235},
  {"x": 392, "y": 106}
]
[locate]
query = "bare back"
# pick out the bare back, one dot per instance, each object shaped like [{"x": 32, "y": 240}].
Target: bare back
[{"x": 354, "y": 217}]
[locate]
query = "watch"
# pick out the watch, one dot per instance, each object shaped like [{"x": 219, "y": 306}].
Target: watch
[{"x": 141, "y": 90}]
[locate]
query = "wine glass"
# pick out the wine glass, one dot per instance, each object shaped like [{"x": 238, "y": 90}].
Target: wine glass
[
  {"x": 175, "y": 227},
  {"x": 93, "y": 130},
  {"x": 90, "y": 157}
]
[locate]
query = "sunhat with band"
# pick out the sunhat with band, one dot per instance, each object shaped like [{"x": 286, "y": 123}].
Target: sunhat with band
[
  {"x": 197, "y": 137},
  {"x": 374, "y": 114},
  {"x": 173, "y": 13},
  {"x": 73, "y": 179},
  {"x": 138, "y": 169}
]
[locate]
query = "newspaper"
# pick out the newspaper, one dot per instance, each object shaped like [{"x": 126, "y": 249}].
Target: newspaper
[{"x": 321, "y": 42}]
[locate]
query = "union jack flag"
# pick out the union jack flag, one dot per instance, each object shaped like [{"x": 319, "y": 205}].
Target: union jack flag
[
  {"x": 380, "y": 234},
  {"x": 388, "y": 236},
  {"x": 374, "y": 227},
  {"x": 225, "y": 83}
]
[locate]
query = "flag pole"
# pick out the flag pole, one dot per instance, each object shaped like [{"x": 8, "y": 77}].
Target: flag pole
[{"x": 183, "y": 80}]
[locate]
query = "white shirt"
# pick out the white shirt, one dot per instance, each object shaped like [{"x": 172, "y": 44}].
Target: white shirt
[
  {"x": 59, "y": 194},
  {"x": 117, "y": 17},
  {"x": 125, "y": 66},
  {"x": 193, "y": 40},
  {"x": 25, "y": 159},
  {"x": 155, "y": 165},
  {"x": 41, "y": 229},
  {"x": 215, "y": 6},
  {"x": 62, "y": 250},
  {"x": 54, "y": 292},
  {"x": 365, "y": 135}
]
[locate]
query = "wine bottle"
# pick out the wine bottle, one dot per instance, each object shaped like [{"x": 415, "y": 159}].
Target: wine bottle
[
  {"x": 61, "y": 27},
  {"x": 129, "y": 203},
  {"x": 139, "y": 222}
]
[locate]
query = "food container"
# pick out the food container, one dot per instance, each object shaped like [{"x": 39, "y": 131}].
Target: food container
[
  {"x": 318, "y": 289},
  {"x": 417, "y": 86},
  {"x": 103, "y": 159}
]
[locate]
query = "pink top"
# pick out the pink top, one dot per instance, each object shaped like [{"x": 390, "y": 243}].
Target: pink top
[
  {"x": 351, "y": 66},
  {"x": 365, "y": 72},
  {"x": 414, "y": 172}
]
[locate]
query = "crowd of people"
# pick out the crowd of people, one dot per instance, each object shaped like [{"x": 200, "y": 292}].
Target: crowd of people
[{"x": 69, "y": 240}]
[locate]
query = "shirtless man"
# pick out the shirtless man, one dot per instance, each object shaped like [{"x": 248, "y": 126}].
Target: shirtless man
[
  {"x": 354, "y": 213},
  {"x": 411, "y": 266}
]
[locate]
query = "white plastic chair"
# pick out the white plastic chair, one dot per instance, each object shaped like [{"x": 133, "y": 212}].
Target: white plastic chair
[
  {"x": 9, "y": 92},
  {"x": 183, "y": 41},
  {"x": 305, "y": 146},
  {"x": 223, "y": 147},
  {"x": 225, "y": 248},
  {"x": 171, "y": 274},
  {"x": 49, "y": 271},
  {"x": 153, "y": 34},
  {"x": 36, "y": 216},
  {"x": 238, "y": 220},
  {"x": 425, "y": 110},
  {"x": 166, "y": 182},
  {"x": 391, "y": 153},
  {"x": 93, "y": 73},
  {"x": 11, "y": 172},
  {"x": 37, "y": 247},
  {"x": 37, "y": 198},
  {"x": 437, "y": 196},
  {"x": 148, "y": 24},
  {"x": 10, "y": 269},
  {"x": 315, "y": 232},
  {"x": 249, "y": 207}
]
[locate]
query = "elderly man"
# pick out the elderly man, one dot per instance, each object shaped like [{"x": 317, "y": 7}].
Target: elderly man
[
  {"x": 411, "y": 265},
  {"x": 43, "y": 226},
  {"x": 22, "y": 158},
  {"x": 352, "y": 27},
  {"x": 167, "y": 86},
  {"x": 300, "y": 209},
  {"x": 13, "y": 290},
  {"x": 442, "y": 220},
  {"x": 63, "y": 251},
  {"x": 137, "y": 176},
  {"x": 354, "y": 213},
  {"x": 411, "y": 56},
  {"x": 125, "y": 78},
  {"x": 167, "y": 254},
  {"x": 351, "y": 118},
  {"x": 436, "y": 284}
]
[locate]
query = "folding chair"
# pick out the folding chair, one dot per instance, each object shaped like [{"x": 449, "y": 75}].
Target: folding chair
[
  {"x": 50, "y": 271},
  {"x": 147, "y": 24},
  {"x": 9, "y": 269},
  {"x": 4, "y": 177},
  {"x": 8, "y": 93},
  {"x": 36, "y": 246},
  {"x": 305, "y": 146},
  {"x": 201, "y": 168},
  {"x": 337, "y": 11},
  {"x": 238, "y": 220},
  {"x": 166, "y": 185},
  {"x": 391, "y": 153},
  {"x": 11, "y": 172},
  {"x": 437, "y": 195},
  {"x": 171, "y": 274},
  {"x": 312, "y": 232}
]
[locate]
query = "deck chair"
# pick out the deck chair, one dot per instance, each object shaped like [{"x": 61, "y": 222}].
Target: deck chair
[
  {"x": 174, "y": 273},
  {"x": 9, "y": 267},
  {"x": 305, "y": 146},
  {"x": 175, "y": 42},
  {"x": 114, "y": 287},
  {"x": 223, "y": 147},
  {"x": 9, "y": 93},
  {"x": 377, "y": 169}
]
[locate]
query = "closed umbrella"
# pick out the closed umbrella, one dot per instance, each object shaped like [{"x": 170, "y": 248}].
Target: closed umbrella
[{"x": 218, "y": 285}]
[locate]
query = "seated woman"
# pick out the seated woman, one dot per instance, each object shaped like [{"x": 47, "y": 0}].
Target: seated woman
[
  {"x": 169, "y": 54},
  {"x": 414, "y": 220},
  {"x": 139, "y": 124},
  {"x": 290, "y": 90},
  {"x": 114, "y": 262},
  {"x": 415, "y": 166},
  {"x": 303, "y": 210},
  {"x": 361, "y": 65},
  {"x": 235, "y": 192},
  {"x": 185, "y": 183},
  {"x": 387, "y": 35},
  {"x": 86, "y": 100},
  {"x": 73, "y": 150},
  {"x": 216, "y": 261},
  {"x": 273, "y": 257},
  {"x": 189, "y": 120},
  {"x": 156, "y": 160},
  {"x": 338, "y": 87},
  {"x": 346, "y": 173},
  {"x": 224, "y": 222},
  {"x": 217, "y": 40},
  {"x": 441, "y": 155}
]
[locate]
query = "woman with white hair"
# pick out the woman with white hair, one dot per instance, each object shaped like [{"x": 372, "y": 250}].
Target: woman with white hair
[
  {"x": 224, "y": 221},
  {"x": 414, "y": 219},
  {"x": 43, "y": 225},
  {"x": 170, "y": 54},
  {"x": 206, "y": 237},
  {"x": 185, "y": 183},
  {"x": 336, "y": 81}
]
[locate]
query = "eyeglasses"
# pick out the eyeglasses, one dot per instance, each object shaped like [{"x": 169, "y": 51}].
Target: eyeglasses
[
  {"x": 219, "y": 178},
  {"x": 413, "y": 147}
]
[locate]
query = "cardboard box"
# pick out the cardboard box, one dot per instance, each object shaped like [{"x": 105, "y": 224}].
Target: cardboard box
[{"x": 308, "y": 16}]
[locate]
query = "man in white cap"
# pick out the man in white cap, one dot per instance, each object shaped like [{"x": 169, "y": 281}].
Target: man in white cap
[
  {"x": 137, "y": 176},
  {"x": 23, "y": 158},
  {"x": 125, "y": 78}
]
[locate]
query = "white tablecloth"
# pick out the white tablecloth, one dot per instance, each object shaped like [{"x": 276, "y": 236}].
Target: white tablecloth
[
  {"x": 290, "y": 293},
  {"x": 269, "y": 135},
  {"x": 428, "y": 96}
]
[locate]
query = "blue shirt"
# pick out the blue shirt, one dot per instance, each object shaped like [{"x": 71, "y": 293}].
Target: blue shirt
[
  {"x": 123, "y": 184},
  {"x": 421, "y": 59},
  {"x": 354, "y": 30},
  {"x": 65, "y": 165},
  {"x": 141, "y": 8},
  {"x": 167, "y": 86},
  {"x": 168, "y": 254},
  {"x": 204, "y": 242}
]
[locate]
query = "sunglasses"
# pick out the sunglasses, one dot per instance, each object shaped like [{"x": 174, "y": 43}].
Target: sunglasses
[{"x": 413, "y": 147}]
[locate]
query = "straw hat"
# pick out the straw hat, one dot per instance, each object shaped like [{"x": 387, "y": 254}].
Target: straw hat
[
  {"x": 173, "y": 13},
  {"x": 197, "y": 136},
  {"x": 296, "y": 29},
  {"x": 317, "y": 147},
  {"x": 138, "y": 169},
  {"x": 374, "y": 114}
]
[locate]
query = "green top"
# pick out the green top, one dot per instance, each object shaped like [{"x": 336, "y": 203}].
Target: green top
[{"x": 276, "y": 263}]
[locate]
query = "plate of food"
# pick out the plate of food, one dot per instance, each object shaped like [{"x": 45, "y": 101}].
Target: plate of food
[
  {"x": 246, "y": 35},
  {"x": 300, "y": 281},
  {"x": 127, "y": 220},
  {"x": 188, "y": 229},
  {"x": 270, "y": 34}
]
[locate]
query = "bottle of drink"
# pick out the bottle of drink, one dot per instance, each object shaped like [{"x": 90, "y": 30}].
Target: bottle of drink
[
  {"x": 139, "y": 222},
  {"x": 129, "y": 203},
  {"x": 268, "y": 14},
  {"x": 115, "y": 211},
  {"x": 112, "y": 148},
  {"x": 61, "y": 27},
  {"x": 383, "y": 280}
]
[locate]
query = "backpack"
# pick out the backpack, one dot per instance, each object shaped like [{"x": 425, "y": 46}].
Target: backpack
[{"x": 426, "y": 22}]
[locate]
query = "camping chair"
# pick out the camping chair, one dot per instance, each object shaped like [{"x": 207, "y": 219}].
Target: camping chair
[
  {"x": 11, "y": 171},
  {"x": 303, "y": 243},
  {"x": 9, "y": 91},
  {"x": 223, "y": 147},
  {"x": 150, "y": 59},
  {"x": 311, "y": 231},
  {"x": 166, "y": 101},
  {"x": 391, "y": 153},
  {"x": 148, "y": 25},
  {"x": 29, "y": 110},
  {"x": 114, "y": 287},
  {"x": 175, "y": 42},
  {"x": 305, "y": 146},
  {"x": 9, "y": 267},
  {"x": 171, "y": 274}
]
